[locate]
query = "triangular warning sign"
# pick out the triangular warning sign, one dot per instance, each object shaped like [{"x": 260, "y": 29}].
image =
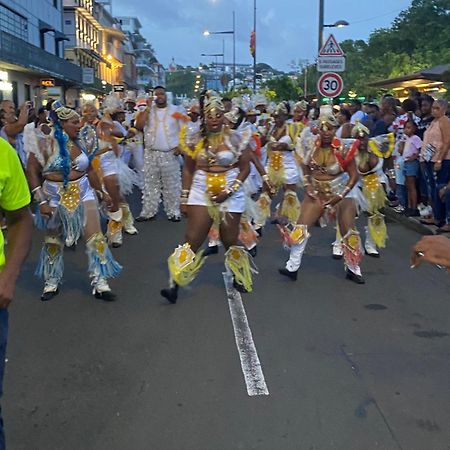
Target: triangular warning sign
[{"x": 331, "y": 47}]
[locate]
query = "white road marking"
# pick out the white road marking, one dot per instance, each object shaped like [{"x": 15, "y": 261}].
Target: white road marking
[{"x": 251, "y": 366}]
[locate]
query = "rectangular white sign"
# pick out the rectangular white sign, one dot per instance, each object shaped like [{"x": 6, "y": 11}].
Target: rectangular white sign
[
  {"x": 88, "y": 75},
  {"x": 331, "y": 64}
]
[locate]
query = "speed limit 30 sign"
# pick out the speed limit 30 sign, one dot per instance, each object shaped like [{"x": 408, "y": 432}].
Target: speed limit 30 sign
[{"x": 330, "y": 84}]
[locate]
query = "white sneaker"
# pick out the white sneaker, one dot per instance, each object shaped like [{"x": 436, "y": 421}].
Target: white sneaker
[
  {"x": 116, "y": 240},
  {"x": 50, "y": 290},
  {"x": 371, "y": 249},
  {"x": 130, "y": 229},
  {"x": 50, "y": 286},
  {"x": 426, "y": 211},
  {"x": 101, "y": 289},
  {"x": 399, "y": 209},
  {"x": 338, "y": 251}
]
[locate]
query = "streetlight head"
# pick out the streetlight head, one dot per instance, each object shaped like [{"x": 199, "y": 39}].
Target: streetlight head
[
  {"x": 206, "y": 33},
  {"x": 341, "y": 24}
]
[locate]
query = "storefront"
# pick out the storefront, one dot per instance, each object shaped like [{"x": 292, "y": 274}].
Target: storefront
[{"x": 430, "y": 81}]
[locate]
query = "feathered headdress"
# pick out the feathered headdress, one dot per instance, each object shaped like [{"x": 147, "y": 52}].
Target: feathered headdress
[
  {"x": 359, "y": 130},
  {"x": 212, "y": 101},
  {"x": 112, "y": 104},
  {"x": 327, "y": 118},
  {"x": 233, "y": 115},
  {"x": 61, "y": 112},
  {"x": 260, "y": 99},
  {"x": 281, "y": 108},
  {"x": 302, "y": 104}
]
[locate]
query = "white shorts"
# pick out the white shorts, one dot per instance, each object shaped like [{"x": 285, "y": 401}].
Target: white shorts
[
  {"x": 108, "y": 164},
  {"x": 290, "y": 167},
  {"x": 52, "y": 189},
  {"x": 198, "y": 194}
]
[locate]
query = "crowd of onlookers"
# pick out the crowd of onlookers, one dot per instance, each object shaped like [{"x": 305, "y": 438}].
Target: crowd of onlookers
[{"x": 419, "y": 169}]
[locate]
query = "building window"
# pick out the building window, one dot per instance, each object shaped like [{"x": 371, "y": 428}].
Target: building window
[
  {"x": 27, "y": 89},
  {"x": 55, "y": 4},
  {"x": 15, "y": 95},
  {"x": 68, "y": 22},
  {"x": 13, "y": 23}
]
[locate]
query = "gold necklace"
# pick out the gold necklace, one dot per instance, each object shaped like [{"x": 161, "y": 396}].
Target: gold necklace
[{"x": 215, "y": 140}]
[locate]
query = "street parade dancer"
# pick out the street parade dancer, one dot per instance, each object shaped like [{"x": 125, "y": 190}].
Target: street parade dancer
[
  {"x": 216, "y": 166},
  {"x": 372, "y": 185},
  {"x": 330, "y": 178},
  {"x": 117, "y": 178},
  {"x": 282, "y": 168},
  {"x": 161, "y": 124},
  {"x": 68, "y": 203}
]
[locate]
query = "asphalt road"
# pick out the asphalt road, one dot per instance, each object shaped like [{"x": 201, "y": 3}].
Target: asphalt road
[{"x": 347, "y": 367}]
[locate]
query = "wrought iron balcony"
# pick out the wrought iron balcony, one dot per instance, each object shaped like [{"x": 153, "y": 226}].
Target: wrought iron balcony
[{"x": 20, "y": 53}]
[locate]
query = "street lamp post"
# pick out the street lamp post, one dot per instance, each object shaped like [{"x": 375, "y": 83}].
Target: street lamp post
[{"x": 233, "y": 32}]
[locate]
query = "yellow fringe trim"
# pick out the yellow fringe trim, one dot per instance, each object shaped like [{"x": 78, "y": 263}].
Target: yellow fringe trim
[
  {"x": 377, "y": 229},
  {"x": 290, "y": 206},
  {"x": 185, "y": 148},
  {"x": 264, "y": 203},
  {"x": 238, "y": 261},
  {"x": 374, "y": 193},
  {"x": 184, "y": 264}
]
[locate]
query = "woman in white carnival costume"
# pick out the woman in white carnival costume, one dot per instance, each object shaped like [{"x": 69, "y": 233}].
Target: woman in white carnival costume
[
  {"x": 116, "y": 176},
  {"x": 282, "y": 168},
  {"x": 68, "y": 204},
  {"x": 216, "y": 166},
  {"x": 330, "y": 178}
]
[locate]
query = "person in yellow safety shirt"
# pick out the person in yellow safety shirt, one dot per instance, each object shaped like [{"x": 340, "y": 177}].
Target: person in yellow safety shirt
[{"x": 14, "y": 201}]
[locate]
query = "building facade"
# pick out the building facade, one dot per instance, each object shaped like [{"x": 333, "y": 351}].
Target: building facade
[
  {"x": 32, "y": 64},
  {"x": 150, "y": 72}
]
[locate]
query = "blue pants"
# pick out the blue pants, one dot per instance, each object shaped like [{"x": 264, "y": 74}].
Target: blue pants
[
  {"x": 430, "y": 180},
  {"x": 442, "y": 208},
  {"x": 402, "y": 194},
  {"x": 3, "y": 340}
]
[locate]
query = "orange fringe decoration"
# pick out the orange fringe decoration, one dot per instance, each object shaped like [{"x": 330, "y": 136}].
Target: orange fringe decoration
[
  {"x": 180, "y": 116},
  {"x": 247, "y": 234}
]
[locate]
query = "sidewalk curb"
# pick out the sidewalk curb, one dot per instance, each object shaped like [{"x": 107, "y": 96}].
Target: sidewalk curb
[{"x": 410, "y": 222}]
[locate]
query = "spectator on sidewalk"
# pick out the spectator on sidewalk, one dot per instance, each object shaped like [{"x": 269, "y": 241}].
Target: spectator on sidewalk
[
  {"x": 408, "y": 109},
  {"x": 357, "y": 113},
  {"x": 345, "y": 129},
  {"x": 409, "y": 149},
  {"x": 14, "y": 200},
  {"x": 12, "y": 126},
  {"x": 435, "y": 157}
]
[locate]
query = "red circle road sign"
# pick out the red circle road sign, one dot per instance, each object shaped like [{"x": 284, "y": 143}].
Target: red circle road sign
[{"x": 330, "y": 84}]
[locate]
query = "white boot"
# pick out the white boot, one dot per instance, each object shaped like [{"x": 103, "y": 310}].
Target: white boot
[
  {"x": 296, "y": 254},
  {"x": 370, "y": 246},
  {"x": 50, "y": 289},
  {"x": 114, "y": 232},
  {"x": 338, "y": 251},
  {"x": 128, "y": 221},
  {"x": 101, "y": 289}
]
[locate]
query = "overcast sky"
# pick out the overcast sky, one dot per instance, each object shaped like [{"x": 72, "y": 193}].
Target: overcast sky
[{"x": 286, "y": 29}]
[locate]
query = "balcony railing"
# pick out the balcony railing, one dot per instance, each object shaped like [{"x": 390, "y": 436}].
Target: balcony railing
[{"x": 16, "y": 51}]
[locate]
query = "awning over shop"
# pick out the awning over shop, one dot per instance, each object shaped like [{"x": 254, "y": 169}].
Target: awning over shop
[{"x": 427, "y": 80}]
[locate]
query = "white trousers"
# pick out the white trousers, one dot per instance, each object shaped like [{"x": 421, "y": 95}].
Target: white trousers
[{"x": 162, "y": 178}]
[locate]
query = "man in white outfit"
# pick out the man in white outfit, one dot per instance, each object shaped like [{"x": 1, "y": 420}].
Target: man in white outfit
[{"x": 161, "y": 124}]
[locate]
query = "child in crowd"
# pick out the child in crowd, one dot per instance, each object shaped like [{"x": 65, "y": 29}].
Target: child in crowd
[{"x": 409, "y": 149}]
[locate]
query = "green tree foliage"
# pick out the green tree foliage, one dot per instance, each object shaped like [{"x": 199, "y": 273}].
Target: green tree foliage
[
  {"x": 181, "y": 82},
  {"x": 285, "y": 88},
  {"x": 418, "y": 38}
]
